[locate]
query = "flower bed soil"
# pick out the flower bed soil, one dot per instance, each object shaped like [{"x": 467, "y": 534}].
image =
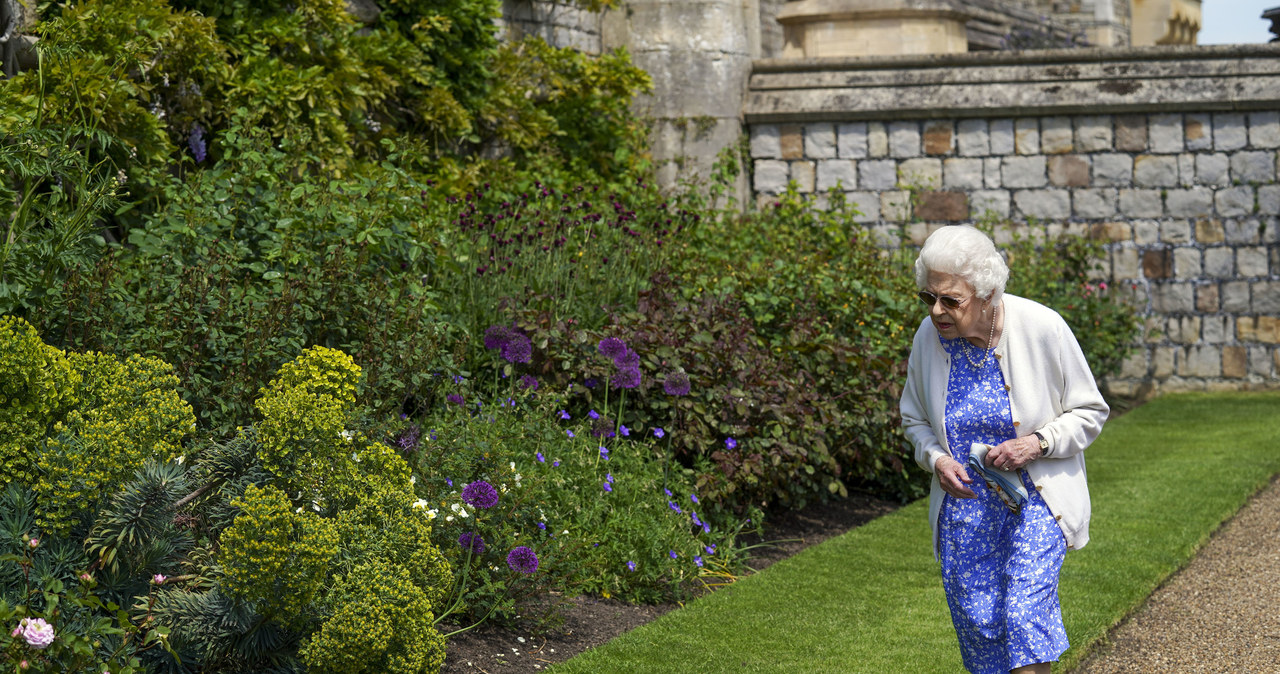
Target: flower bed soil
[{"x": 591, "y": 621}]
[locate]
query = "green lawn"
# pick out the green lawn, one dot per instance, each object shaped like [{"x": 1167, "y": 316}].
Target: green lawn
[{"x": 1162, "y": 478}]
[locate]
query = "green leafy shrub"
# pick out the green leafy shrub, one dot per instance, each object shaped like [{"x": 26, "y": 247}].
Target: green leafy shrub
[{"x": 37, "y": 388}]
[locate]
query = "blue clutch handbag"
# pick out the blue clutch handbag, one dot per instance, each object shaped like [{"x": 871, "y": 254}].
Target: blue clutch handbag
[{"x": 1005, "y": 483}]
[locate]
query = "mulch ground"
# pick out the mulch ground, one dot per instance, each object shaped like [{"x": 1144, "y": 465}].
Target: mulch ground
[{"x": 591, "y": 621}]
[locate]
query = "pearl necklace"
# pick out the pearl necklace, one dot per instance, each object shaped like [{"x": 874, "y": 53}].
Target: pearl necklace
[{"x": 987, "y": 353}]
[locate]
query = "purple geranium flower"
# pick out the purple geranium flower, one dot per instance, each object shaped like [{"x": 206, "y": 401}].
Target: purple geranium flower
[
  {"x": 480, "y": 494},
  {"x": 541, "y": 458},
  {"x": 522, "y": 559},
  {"x": 730, "y": 443},
  {"x": 604, "y": 453},
  {"x": 631, "y": 566},
  {"x": 658, "y": 433},
  {"x": 593, "y": 414},
  {"x": 608, "y": 487},
  {"x": 697, "y": 560},
  {"x": 676, "y": 384},
  {"x": 472, "y": 541},
  {"x": 624, "y": 430},
  {"x": 564, "y": 414}
]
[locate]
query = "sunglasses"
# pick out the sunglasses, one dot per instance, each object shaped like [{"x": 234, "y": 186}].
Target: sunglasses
[{"x": 948, "y": 302}]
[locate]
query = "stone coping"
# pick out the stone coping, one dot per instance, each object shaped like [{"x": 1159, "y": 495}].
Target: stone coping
[{"x": 993, "y": 84}]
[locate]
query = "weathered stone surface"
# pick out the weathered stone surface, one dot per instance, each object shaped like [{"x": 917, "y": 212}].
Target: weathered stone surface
[
  {"x": 972, "y": 139},
  {"x": 920, "y": 173},
  {"x": 1093, "y": 133},
  {"x": 1186, "y": 262},
  {"x": 1056, "y": 136},
  {"x": 904, "y": 139},
  {"x": 989, "y": 202},
  {"x": 840, "y": 173},
  {"x": 1266, "y": 297},
  {"x": 943, "y": 206},
  {"x": 1260, "y": 361},
  {"x": 771, "y": 176},
  {"x": 867, "y": 205},
  {"x": 938, "y": 137},
  {"x": 1198, "y": 131},
  {"x": 1151, "y": 170},
  {"x": 1235, "y": 362},
  {"x": 1241, "y": 231},
  {"x": 1219, "y": 262},
  {"x": 1165, "y": 133},
  {"x": 1229, "y": 131},
  {"x": 1235, "y": 297},
  {"x": 1265, "y": 329},
  {"x": 1162, "y": 359},
  {"x": 1234, "y": 201},
  {"x": 1146, "y": 232},
  {"x": 1193, "y": 203},
  {"x": 991, "y": 172},
  {"x": 1209, "y": 231},
  {"x": 1184, "y": 329},
  {"x": 1251, "y": 261},
  {"x": 1200, "y": 361},
  {"x": 1125, "y": 264},
  {"x": 1186, "y": 170},
  {"x": 1095, "y": 203},
  {"x": 851, "y": 140},
  {"x": 1111, "y": 231},
  {"x": 1269, "y": 199},
  {"x": 1157, "y": 263},
  {"x": 1211, "y": 169},
  {"x": 1264, "y": 129},
  {"x": 1024, "y": 171},
  {"x": 1069, "y": 170},
  {"x": 1141, "y": 203},
  {"x": 1026, "y": 135},
  {"x": 791, "y": 141},
  {"x": 820, "y": 141},
  {"x": 802, "y": 173},
  {"x": 878, "y": 174},
  {"x": 1002, "y": 136},
  {"x": 1207, "y": 298},
  {"x": 1112, "y": 170},
  {"x": 962, "y": 173},
  {"x": 1175, "y": 231},
  {"x": 1216, "y": 329},
  {"x": 1135, "y": 365},
  {"x": 765, "y": 142},
  {"x": 1131, "y": 133},
  {"x": 896, "y": 206},
  {"x": 1253, "y": 167},
  {"x": 1051, "y": 204},
  {"x": 1173, "y": 298},
  {"x": 877, "y": 140}
]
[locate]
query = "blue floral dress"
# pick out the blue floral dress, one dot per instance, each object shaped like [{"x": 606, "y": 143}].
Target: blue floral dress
[{"x": 999, "y": 569}]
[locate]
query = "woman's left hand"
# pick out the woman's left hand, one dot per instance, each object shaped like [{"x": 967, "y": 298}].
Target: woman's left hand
[{"x": 1014, "y": 454}]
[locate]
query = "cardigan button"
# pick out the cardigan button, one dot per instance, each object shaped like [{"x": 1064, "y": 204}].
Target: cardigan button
[
  {"x": 1006, "y": 388},
  {"x": 1017, "y": 424},
  {"x": 1039, "y": 488},
  {"x": 1057, "y": 518}
]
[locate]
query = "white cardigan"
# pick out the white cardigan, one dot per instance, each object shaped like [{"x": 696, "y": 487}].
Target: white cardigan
[{"x": 1051, "y": 390}]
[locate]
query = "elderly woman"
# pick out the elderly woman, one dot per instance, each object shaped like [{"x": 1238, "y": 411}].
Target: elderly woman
[{"x": 1004, "y": 375}]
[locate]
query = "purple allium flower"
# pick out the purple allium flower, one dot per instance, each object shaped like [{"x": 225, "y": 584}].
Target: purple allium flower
[
  {"x": 36, "y": 632},
  {"x": 541, "y": 458},
  {"x": 593, "y": 414},
  {"x": 527, "y": 382},
  {"x": 472, "y": 541},
  {"x": 480, "y": 494},
  {"x": 604, "y": 453},
  {"x": 518, "y": 349},
  {"x": 612, "y": 347},
  {"x": 626, "y": 378},
  {"x": 608, "y": 487},
  {"x": 629, "y": 359},
  {"x": 730, "y": 443},
  {"x": 522, "y": 559},
  {"x": 658, "y": 432},
  {"x": 697, "y": 560},
  {"x": 624, "y": 431},
  {"x": 564, "y": 414},
  {"x": 195, "y": 141},
  {"x": 407, "y": 441},
  {"x": 455, "y": 399},
  {"x": 496, "y": 336},
  {"x": 676, "y": 384},
  {"x": 631, "y": 566}
]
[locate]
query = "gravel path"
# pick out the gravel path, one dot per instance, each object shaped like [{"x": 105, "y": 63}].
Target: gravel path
[{"x": 1219, "y": 614}]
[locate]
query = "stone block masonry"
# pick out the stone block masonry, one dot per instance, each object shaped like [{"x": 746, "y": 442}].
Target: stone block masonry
[{"x": 1178, "y": 175}]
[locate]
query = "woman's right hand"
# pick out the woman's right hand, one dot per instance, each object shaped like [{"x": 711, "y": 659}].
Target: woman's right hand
[{"x": 954, "y": 477}]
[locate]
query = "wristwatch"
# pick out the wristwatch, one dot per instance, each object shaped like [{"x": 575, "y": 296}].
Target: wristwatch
[{"x": 1044, "y": 444}]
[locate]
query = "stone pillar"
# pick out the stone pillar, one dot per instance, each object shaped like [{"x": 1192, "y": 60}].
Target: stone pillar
[
  {"x": 823, "y": 28},
  {"x": 699, "y": 55}
]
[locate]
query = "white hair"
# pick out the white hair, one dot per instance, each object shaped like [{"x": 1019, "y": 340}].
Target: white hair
[{"x": 965, "y": 251}]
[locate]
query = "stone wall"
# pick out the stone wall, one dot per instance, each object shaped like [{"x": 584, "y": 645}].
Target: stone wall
[
  {"x": 1178, "y": 175},
  {"x": 560, "y": 24}
]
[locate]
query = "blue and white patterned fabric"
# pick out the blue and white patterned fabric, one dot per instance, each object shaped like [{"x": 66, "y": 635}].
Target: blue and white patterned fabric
[{"x": 999, "y": 569}]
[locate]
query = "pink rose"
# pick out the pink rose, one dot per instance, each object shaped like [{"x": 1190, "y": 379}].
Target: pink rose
[{"x": 37, "y": 633}]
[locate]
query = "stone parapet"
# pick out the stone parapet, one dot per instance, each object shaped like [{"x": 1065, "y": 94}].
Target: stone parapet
[{"x": 1183, "y": 190}]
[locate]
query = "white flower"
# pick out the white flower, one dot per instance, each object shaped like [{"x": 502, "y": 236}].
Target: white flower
[
  {"x": 180, "y": 459},
  {"x": 355, "y": 456},
  {"x": 517, "y": 479},
  {"x": 420, "y": 503},
  {"x": 449, "y": 518},
  {"x": 347, "y": 435},
  {"x": 513, "y": 466},
  {"x": 299, "y": 510},
  {"x": 431, "y": 514},
  {"x": 413, "y": 479}
]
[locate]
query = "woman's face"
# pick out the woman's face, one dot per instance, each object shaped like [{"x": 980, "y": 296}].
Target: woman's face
[{"x": 963, "y": 321}]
